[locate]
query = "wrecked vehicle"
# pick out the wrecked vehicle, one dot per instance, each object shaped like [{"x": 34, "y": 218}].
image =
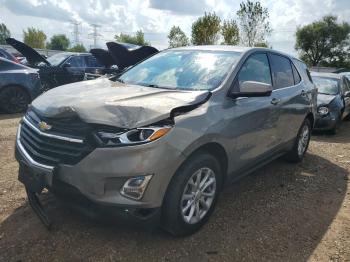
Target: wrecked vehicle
[
  {"x": 333, "y": 100},
  {"x": 59, "y": 69},
  {"x": 158, "y": 143},
  {"x": 19, "y": 85},
  {"x": 120, "y": 56}
]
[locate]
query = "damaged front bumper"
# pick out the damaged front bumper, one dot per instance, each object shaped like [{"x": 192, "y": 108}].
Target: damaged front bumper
[{"x": 93, "y": 185}]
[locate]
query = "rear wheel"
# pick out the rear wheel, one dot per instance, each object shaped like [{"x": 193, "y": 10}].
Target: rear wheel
[
  {"x": 301, "y": 143},
  {"x": 192, "y": 195},
  {"x": 14, "y": 99}
]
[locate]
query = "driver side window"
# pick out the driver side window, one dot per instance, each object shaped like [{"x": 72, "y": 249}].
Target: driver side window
[{"x": 256, "y": 69}]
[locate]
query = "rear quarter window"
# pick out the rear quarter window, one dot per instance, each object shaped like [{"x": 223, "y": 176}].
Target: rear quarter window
[{"x": 282, "y": 72}]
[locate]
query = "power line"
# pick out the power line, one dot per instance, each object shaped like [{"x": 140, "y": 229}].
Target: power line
[
  {"x": 94, "y": 33},
  {"x": 76, "y": 31}
]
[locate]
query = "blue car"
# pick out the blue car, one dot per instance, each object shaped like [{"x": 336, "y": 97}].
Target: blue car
[
  {"x": 19, "y": 85},
  {"x": 333, "y": 100}
]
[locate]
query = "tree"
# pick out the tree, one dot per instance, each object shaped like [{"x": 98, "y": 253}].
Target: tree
[
  {"x": 34, "y": 37},
  {"x": 137, "y": 39},
  {"x": 254, "y": 23},
  {"x": 323, "y": 41},
  {"x": 261, "y": 44},
  {"x": 230, "y": 32},
  {"x": 206, "y": 29},
  {"x": 4, "y": 33},
  {"x": 58, "y": 42},
  {"x": 177, "y": 37},
  {"x": 79, "y": 48}
]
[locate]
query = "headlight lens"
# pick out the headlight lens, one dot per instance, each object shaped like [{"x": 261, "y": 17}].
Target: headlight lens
[
  {"x": 134, "y": 136},
  {"x": 135, "y": 187},
  {"x": 323, "y": 110}
]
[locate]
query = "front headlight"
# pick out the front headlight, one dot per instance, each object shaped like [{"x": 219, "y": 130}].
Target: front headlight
[
  {"x": 323, "y": 110},
  {"x": 133, "y": 136}
]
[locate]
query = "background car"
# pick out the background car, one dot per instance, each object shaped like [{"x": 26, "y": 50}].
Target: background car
[
  {"x": 333, "y": 100},
  {"x": 19, "y": 85},
  {"x": 59, "y": 69},
  {"x": 7, "y": 55}
]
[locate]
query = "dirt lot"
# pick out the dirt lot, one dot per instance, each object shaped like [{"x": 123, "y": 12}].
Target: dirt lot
[{"x": 283, "y": 212}]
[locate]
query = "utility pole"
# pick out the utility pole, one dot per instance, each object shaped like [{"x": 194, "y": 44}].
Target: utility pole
[
  {"x": 76, "y": 31},
  {"x": 94, "y": 33}
]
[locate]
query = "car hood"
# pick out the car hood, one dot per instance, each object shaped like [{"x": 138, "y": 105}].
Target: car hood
[
  {"x": 323, "y": 99},
  {"x": 32, "y": 56},
  {"x": 103, "y": 56},
  {"x": 128, "y": 56},
  {"x": 106, "y": 102}
]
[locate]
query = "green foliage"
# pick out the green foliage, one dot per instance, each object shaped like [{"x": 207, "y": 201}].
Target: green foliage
[
  {"x": 230, "y": 32},
  {"x": 34, "y": 37},
  {"x": 58, "y": 42},
  {"x": 79, "y": 48},
  {"x": 324, "y": 41},
  {"x": 254, "y": 23},
  {"x": 4, "y": 33},
  {"x": 261, "y": 44},
  {"x": 137, "y": 39},
  {"x": 177, "y": 37},
  {"x": 206, "y": 29}
]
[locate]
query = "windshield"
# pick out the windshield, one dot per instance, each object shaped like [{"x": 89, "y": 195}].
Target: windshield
[
  {"x": 57, "y": 59},
  {"x": 183, "y": 69},
  {"x": 326, "y": 85}
]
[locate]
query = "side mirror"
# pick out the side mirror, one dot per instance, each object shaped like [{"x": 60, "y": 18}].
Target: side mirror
[
  {"x": 253, "y": 89},
  {"x": 66, "y": 65},
  {"x": 347, "y": 94}
]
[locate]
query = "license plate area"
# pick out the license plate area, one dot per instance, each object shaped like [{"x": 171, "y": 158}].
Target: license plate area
[{"x": 34, "y": 179}]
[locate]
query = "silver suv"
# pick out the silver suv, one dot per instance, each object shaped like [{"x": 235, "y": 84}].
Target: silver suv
[{"x": 159, "y": 142}]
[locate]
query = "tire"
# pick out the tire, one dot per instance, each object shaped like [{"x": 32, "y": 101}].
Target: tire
[
  {"x": 14, "y": 99},
  {"x": 174, "y": 219},
  {"x": 296, "y": 154}
]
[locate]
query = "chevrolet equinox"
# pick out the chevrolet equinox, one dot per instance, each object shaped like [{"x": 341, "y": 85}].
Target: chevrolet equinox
[{"x": 158, "y": 142}]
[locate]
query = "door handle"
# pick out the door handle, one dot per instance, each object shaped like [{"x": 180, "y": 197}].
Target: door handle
[{"x": 275, "y": 101}]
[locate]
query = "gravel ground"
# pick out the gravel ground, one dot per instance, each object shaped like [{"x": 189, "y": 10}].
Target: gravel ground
[{"x": 282, "y": 212}]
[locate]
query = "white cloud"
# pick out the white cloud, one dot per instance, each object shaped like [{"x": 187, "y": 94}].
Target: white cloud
[{"x": 156, "y": 17}]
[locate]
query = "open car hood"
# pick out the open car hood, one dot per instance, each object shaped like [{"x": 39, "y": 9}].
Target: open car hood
[
  {"x": 111, "y": 103},
  {"x": 103, "y": 56},
  {"x": 125, "y": 56},
  {"x": 32, "y": 56}
]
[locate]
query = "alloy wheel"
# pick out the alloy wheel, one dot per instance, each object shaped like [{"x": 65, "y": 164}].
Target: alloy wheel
[
  {"x": 198, "y": 195},
  {"x": 303, "y": 140}
]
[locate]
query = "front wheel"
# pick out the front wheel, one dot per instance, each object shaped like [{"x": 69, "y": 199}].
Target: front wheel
[
  {"x": 14, "y": 99},
  {"x": 301, "y": 143},
  {"x": 192, "y": 195}
]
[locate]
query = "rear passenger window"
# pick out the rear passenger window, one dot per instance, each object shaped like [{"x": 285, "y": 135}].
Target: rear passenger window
[
  {"x": 92, "y": 62},
  {"x": 77, "y": 61},
  {"x": 256, "y": 68},
  {"x": 281, "y": 71},
  {"x": 297, "y": 78}
]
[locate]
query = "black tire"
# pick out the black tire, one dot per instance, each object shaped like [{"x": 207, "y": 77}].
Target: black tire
[
  {"x": 14, "y": 99},
  {"x": 173, "y": 220},
  {"x": 294, "y": 155}
]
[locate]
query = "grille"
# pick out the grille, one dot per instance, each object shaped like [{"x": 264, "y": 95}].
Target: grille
[{"x": 60, "y": 144}]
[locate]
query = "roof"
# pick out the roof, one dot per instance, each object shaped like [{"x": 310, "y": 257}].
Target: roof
[
  {"x": 329, "y": 75},
  {"x": 215, "y": 48},
  {"x": 232, "y": 48}
]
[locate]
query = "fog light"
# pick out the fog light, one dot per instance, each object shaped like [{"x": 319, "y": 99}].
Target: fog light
[{"x": 135, "y": 187}]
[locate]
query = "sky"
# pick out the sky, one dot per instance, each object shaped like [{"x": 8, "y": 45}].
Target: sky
[{"x": 156, "y": 17}]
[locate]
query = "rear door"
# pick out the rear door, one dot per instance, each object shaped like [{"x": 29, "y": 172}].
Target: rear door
[
  {"x": 255, "y": 118},
  {"x": 289, "y": 97}
]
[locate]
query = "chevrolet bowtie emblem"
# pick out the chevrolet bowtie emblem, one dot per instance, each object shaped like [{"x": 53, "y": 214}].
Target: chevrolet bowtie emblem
[{"x": 44, "y": 126}]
